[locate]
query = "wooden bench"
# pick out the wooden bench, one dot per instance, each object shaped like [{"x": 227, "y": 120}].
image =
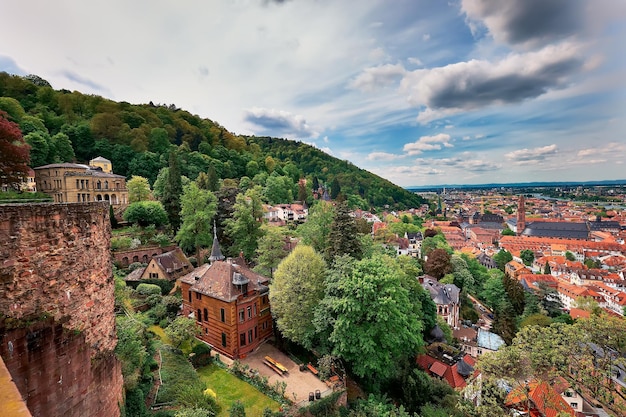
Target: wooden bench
[
  {"x": 276, "y": 364},
  {"x": 273, "y": 367},
  {"x": 312, "y": 369}
]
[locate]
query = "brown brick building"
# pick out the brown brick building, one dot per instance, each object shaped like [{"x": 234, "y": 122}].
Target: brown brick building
[{"x": 230, "y": 304}]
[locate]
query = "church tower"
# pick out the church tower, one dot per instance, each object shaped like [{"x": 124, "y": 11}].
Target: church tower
[{"x": 521, "y": 215}]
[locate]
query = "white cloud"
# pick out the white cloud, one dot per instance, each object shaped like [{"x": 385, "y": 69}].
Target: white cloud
[
  {"x": 415, "y": 61},
  {"x": 428, "y": 143},
  {"x": 280, "y": 123},
  {"x": 531, "y": 156},
  {"x": 610, "y": 149},
  {"x": 383, "y": 156},
  {"x": 426, "y": 37},
  {"x": 375, "y": 78}
]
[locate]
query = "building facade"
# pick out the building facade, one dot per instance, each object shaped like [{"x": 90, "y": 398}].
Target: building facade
[
  {"x": 78, "y": 183},
  {"x": 230, "y": 304}
]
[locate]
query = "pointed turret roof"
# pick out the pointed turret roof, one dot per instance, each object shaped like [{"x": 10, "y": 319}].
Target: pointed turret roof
[{"x": 216, "y": 252}]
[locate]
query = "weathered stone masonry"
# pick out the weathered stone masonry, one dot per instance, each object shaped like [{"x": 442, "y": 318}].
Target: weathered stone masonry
[{"x": 57, "y": 333}]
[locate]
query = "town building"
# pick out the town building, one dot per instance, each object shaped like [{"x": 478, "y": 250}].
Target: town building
[
  {"x": 167, "y": 266},
  {"x": 445, "y": 297},
  {"x": 230, "y": 304},
  {"x": 79, "y": 183}
]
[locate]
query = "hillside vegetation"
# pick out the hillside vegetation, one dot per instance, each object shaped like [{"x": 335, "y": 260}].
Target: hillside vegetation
[{"x": 66, "y": 126}]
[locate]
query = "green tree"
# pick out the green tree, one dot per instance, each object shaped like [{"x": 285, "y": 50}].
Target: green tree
[
  {"x": 213, "y": 179},
  {"x": 373, "y": 319},
  {"x": 12, "y": 109},
  {"x": 296, "y": 291},
  {"x": 540, "y": 320},
  {"x": 159, "y": 141},
  {"x": 547, "y": 270},
  {"x": 138, "y": 189},
  {"x": 502, "y": 258},
  {"x": 145, "y": 213},
  {"x": 515, "y": 293},
  {"x": 271, "y": 250},
  {"x": 343, "y": 237},
  {"x": 335, "y": 188},
  {"x": 507, "y": 232},
  {"x": 463, "y": 278},
  {"x": 570, "y": 256},
  {"x": 181, "y": 330},
  {"x": 198, "y": 208},
  {"x": 63, "y": 150},
  {"x": 504, "y": 321},
  {"x": 39, "y": 148},
  {"x": 528, "y": 256},
  {"x": 172, "y": 191},
  {"x": 244, "y": 227},
  {"x": 278, "y": 189},
  {"x": 316, "y": 229},
  {"x": 549, "y": 300},
  {"x": 130, "y": 349},
  {"x": 436, "y": 241}
]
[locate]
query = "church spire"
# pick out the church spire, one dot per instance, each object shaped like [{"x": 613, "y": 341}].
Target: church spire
[{"x": 216, "y": 252}]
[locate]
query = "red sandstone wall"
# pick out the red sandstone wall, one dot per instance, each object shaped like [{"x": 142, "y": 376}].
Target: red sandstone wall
[{"x": 55, "y": 264}]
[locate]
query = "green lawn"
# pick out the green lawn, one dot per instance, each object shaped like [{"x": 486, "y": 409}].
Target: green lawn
[{"x": 230, "y": 389}]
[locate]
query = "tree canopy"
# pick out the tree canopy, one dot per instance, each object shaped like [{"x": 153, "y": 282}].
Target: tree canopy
[
  {"x": 296, "y": 291},
  {"x": 14, "y": 153},
  {"x": 372, "y": 319},
  {"x": 198, "y": 208}
]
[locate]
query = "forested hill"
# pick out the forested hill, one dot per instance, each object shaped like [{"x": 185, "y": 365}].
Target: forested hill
[{"x": 65, "y": 126}]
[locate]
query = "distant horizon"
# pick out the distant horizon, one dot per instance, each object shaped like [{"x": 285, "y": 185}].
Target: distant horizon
[{"x": 520, "y": 184}]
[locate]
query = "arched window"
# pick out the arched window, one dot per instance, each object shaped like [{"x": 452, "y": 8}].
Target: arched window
[
  {"x": 199, "y": 317},
  {"x": 206, "y": 315},
  {"x": 99, "y": 185},
  {"x": 106, "y": 185}
]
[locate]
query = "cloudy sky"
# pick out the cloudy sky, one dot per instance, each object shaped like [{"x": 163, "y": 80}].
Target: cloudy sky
[{"x": 421, "y": 92}]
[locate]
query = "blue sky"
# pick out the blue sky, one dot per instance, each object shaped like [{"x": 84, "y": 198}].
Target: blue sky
[{"x": 421, "y": 92}]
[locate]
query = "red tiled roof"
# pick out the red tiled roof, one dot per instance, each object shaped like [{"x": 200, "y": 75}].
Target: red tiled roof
[
  {"x": 449, "y": 373},
  {"x": 545, "y": 400},
  {"x": 438, "y": 368}
]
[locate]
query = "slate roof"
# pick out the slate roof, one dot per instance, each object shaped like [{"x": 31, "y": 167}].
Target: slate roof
[
  {"x": 441, "y": 294},
  {"x": 64, "y": 165},
  {"x": 564, "y": 230},
  {"x": 172, "y": 260},
  {"x": 216, "y": 280},
  {"x": 85, "y": 170},
  {"x": 604, "y": 225}
]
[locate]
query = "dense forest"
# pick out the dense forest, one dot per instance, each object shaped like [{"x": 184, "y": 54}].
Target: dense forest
[{"x": 66, "y": 126}]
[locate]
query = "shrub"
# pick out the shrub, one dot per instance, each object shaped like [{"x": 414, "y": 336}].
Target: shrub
[
  {"x": 165, "y": 285},
  {"x": 146, "y": 213},
  {"x": 121, "y": 243},
  {"x": 148, "y": 289},
  {"x": 134, "y": 265}
]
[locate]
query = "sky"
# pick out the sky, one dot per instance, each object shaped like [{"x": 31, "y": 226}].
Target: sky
[{"x": 421, "y": 92}]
